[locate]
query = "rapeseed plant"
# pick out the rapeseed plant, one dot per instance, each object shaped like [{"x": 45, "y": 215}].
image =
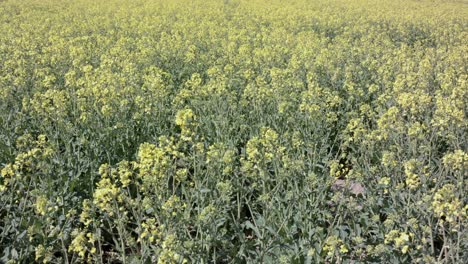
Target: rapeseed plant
[{"x": 233, "y": 131}]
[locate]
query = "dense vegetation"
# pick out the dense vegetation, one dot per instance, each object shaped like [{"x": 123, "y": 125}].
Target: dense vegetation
[{"x": 235, "y": 131}]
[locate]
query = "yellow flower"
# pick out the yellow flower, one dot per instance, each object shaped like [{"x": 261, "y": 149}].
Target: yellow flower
[
  {"x": 385, "y": 181},
  {"x": 40, "y": 252},
  {"x": 125, "y": 173},
  {"x": 404, "y": 249},
  {"x": 457, "y": 160},
  {"x": 446, "y": 204},
  {"x": 153, "y": 165},
  {"x": 78, "y": 244},
  {"x": 173, "y": 205},
  {"x": 343, "y": 249},
  {"x": 7, "y": 173},
  {"x": 105, "y": 193},
  {"x": 412, "y": 178},
  {"x": 184, "y": 118},
  {"x": 150, "y": 231},
  {"x": 169, "y": 253},
  {"x": 41, "y": 205},
  {"x": 206, "y": 214},
  {"x": 332, "y": 243},
  {"x": 400, "y": 239},
  {"x": 85, "y": 216}
]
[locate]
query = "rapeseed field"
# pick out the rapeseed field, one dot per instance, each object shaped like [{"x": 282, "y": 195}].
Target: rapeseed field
[{"x": 233, "y": 131}]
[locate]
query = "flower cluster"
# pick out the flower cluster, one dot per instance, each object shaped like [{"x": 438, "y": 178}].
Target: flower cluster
[{"x": 448, "y": 206}]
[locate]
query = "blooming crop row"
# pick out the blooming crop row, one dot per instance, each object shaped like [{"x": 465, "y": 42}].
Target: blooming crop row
[{"x": 235, "y": 131}]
